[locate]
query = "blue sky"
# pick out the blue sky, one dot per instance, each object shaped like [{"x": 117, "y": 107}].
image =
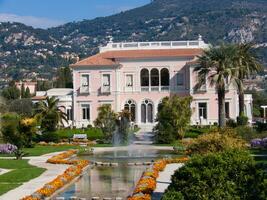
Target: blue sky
[{"x": 48, "y": 13}]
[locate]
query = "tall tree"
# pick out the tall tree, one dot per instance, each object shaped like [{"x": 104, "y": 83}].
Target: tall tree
[
  {"x": 22, "y": 91},
  {"x": 44, "y": 85},
  {"x": 217, "y": 66},
  {"x": 247, "y": 65},
  {"x": 11, "y": 93},
  {"x": 64, "y": 79},
  {"x": 173, "y": 117},
  {"x": 23, "y": 107},
  {"x": 106, "y": 121},
  {"x": 27, "y": 93},
  {"x": 50, "y": 114}
]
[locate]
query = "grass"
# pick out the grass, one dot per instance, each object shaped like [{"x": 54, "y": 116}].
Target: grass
[
  {"x": 41, "y": 150},
  {"x": 92, "y": 133},
  {"x": 21, "y": 172}
]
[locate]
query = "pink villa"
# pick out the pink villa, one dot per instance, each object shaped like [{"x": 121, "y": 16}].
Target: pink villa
[
  {"x": 27, "y": 84},
  {"x": 138, "y": 75}
]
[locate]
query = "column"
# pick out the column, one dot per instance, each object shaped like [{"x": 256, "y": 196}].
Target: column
[{"x": 138, "y": 113}]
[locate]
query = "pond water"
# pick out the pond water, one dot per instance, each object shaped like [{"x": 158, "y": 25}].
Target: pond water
[{"x": 113, "y": 181}]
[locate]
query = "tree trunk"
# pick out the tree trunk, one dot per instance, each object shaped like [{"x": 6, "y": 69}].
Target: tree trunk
[
  {"x": 241, "y": 99},
  {"x": 221, "y": 105}
]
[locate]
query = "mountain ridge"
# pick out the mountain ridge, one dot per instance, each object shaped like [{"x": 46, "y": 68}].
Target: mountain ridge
[{"x": 26, "y": 52}]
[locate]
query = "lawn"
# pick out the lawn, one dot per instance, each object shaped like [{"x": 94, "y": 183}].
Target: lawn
[
  {"x": 21, "y": 172},
  {"x": 41, "y": 150}
]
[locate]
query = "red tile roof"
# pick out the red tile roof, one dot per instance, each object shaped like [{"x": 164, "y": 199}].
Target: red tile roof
[
  {"x": 108, "y": 58},
  {"x": 39, "y": 98},
  {"x": 96, "y": 60}
]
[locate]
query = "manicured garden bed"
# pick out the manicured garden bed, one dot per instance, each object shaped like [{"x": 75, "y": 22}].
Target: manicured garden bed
[{"x": 21, "y": 172}]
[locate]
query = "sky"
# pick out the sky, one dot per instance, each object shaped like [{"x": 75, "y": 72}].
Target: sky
[{"x": 49, "y": 13}]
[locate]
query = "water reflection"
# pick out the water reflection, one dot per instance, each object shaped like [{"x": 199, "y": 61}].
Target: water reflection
[
  {"x": 113, "y": 181},
  {"x": 106, "y": 182}
]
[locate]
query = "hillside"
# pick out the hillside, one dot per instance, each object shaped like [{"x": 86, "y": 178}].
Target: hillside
[{"x": 25, "y": 50}]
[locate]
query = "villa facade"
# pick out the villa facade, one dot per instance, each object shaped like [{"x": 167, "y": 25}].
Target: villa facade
[{"x": 138, "y": 75}]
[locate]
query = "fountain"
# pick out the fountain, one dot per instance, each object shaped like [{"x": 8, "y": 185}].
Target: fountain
[{"x": 121, "y": 168}]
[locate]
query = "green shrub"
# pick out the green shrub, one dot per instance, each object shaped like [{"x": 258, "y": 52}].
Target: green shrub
[
  {"x": 48, "y": 137},
  {"x": 164, "y": 134},
  {"x": 231, "y": 123},
  {"x": 195, "y": 131},
  {"x": 242, "y": 120},
  {"x": 226, "y": 175},
  {"x": 173, "y": 196},
  {"x": 92, "y": 133},
  {"x": 246, "y": 132},
  {"x": 216, "y": 141},
  {"x": 173, "y": 118},
  {"x": 260, "y": 127}
]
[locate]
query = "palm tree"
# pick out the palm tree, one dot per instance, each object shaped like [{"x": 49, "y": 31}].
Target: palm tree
[
  {"x": 50, "y": 114},
  {"x": 247, "y": 65},
  {"x": 217, "y": 66}
]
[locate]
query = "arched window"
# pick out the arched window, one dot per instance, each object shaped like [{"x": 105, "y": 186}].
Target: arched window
[
  {"x": 165, "y": 77},
  {"x": 130, "y": 105},
  {"x": 154, "y": 74},
  {"x": 144, "y": 77},
  {"x": 147, "y": 111}
]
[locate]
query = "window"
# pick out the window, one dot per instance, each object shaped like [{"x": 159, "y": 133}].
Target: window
[
  {"x": 106, "y": 79},
  {"x": 144, "y": 77},
  {"x": 85, "y": 83},
  {"x": 129, "y": 80},
  {"x": 69, "y": 114},
  {"x": 165, "y": 77},
  {"x": 86, "y": 112},
  {"x": 180, "y": 79},
  {"x": 130, "y": 106},
  {"x": 106, "y": 83},
  {"x": 147, "y": 111},
  {"x": 154, "y": 77},
  {"x": 202, "y": 110},
  {"x": 227, "y": 110}
]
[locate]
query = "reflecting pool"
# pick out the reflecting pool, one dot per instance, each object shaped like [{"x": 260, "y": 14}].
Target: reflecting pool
[{"x": 113, "y": 181}]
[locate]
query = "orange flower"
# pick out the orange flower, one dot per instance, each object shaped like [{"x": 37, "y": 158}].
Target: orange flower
[
  {"x": 140, "y": 197},
  {"x": 68, "y": 175}
]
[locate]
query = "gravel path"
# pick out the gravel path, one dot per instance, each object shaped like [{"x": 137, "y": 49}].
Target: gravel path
[{"x": 30, "y": 187}]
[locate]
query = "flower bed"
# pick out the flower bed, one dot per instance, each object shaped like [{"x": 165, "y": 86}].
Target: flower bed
[
  {"x": 147, "y": 183},
  {"x": 61, "y": 158},
  {"x": 66, "y": 143},
  {"x": 7, "y": 148},
  {"x": 258, "y": 143},
  {"x": 60, "y": 181}
]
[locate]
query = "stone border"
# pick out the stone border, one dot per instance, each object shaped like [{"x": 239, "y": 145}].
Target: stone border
[
  {"x": 73, "y": 172},
  {"x": 148, "y": 182},
  {"x": 69, "y": 184}
]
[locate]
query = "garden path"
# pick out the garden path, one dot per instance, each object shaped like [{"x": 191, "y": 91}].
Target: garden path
[
  {"x": 164, "y": 179},
  {"x": 31, "y": 186},
  {"x": 3, "y": 171}
]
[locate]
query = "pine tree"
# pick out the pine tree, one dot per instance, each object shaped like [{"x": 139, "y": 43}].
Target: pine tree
[
  {"x": 22, "y": 91},
  {"x": 27, "y": 93}
]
